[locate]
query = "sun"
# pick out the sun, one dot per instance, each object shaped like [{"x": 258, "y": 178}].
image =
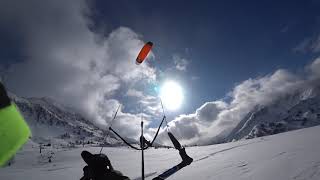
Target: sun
[{"x": 171, "y": 95}]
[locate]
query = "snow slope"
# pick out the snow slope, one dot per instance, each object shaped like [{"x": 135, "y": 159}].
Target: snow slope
[
  {"x": 291, "y": 112},
  {"x": 291, "y": 155}
]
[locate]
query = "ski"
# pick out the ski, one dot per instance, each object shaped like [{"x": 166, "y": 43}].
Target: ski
[{"x": 171, "y": 171}]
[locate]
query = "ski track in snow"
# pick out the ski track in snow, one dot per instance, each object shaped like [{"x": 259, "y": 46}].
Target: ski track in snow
[
  {"x": 223, "y": 150},
  {"x": 57, "y": 169},
  {"x": 309, "y": 173}
]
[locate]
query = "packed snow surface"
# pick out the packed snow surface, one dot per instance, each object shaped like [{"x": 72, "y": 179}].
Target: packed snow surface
[{"x": 292, "y": 155}]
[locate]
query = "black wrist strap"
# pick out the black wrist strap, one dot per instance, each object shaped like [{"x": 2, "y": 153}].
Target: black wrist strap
[{"x": 4, "y": 99}]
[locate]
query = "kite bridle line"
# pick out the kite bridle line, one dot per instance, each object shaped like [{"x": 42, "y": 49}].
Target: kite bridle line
[
  {"x": 133, "y": 147},
  {"x": 114, "y": 117},
  {"x": 154, "y": 138},
  {"x": 164, "y": 115}
]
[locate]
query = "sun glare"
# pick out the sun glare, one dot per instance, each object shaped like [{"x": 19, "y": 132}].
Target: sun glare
[{"x": 171, "y": 95}]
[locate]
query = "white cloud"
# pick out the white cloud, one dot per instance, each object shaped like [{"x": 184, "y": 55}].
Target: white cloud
[
  {"x": 314, "y": 68},
  {"x": 213, "y": 121},
  {"x": 135, "y": 93},
  {"x": 181, "y": 64},
  {"x": 67, "y": 61},
  {"x": 209, "y": 111},
  {"x": 309, "y": 44},
  {"x": 316, "y": 45},
  {"x": 149, "y": 104}
]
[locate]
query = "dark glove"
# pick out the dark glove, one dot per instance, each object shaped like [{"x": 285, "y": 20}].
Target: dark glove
[
  {"x": 145, "y": 142},
  {"x": 4, "y": 99}
]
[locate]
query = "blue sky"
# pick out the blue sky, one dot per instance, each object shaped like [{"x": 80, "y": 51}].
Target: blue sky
[
  {"x": 226, "y": 42},
  {"x": 82, "y": 54}
]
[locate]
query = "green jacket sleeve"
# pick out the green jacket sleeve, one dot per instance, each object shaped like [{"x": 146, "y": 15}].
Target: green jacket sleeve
[{"x": 14, "y": 131}]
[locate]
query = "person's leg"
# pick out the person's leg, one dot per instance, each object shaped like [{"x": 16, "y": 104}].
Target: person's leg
[
  {"x": 182, "y": 151},
  {"x": 186, "y": 160},
  {"x": 174, "y": 141}
]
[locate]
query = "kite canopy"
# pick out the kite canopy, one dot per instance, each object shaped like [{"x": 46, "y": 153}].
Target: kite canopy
[
  {"x": 144, "y": 52},
  {"x": 14, "y": 131}
]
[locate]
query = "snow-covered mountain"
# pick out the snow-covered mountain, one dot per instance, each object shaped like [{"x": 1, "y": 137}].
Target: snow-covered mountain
[
  {"x": 53, "y": 123},
  {"x": 293, "y": 111}
]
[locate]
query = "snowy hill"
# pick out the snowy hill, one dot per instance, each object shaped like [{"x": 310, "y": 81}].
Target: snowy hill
[
  {"x": 288, "y": 156},
  {"x": 53, "y": 123},
  {"x": 295, "y": 111}
]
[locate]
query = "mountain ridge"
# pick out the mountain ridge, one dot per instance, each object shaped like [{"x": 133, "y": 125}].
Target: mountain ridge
[
  {"x": 290, "y": 112},
  {"x": 51, "y": 122}
]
